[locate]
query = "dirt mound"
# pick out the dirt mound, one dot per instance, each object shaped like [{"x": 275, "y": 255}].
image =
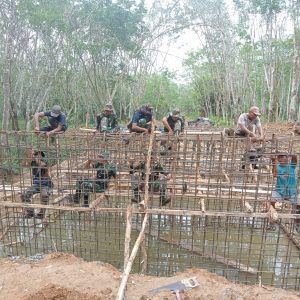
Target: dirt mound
[
  {"x": 64, "y": 277},
  {"x": 60, "y": 293},
  {"x": 278, "y": 127}
]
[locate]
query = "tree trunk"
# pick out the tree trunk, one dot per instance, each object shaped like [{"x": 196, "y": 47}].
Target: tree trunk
[
  {"x": 292, "y": 114},
  {"x": 273, "y": 104},
  {"x": 7, "y": 90}
]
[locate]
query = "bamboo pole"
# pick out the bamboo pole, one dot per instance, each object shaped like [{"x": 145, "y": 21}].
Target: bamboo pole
[
  {"x": 141, "y": 237},
  {"x": 127, "y": 235},
  {"x": 155, "y": 211}
]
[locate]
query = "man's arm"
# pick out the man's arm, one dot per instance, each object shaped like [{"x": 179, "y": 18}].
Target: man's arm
[
  {"x": 294, "y": 159},
  {"x": 36, "y": 119},
  {"x": 56, "y": 130},
  {"x": 138, "y": 128},
  {"x": 59, "y": 128},
  {"x": 246, "y": 130},
  {"x": 166, "y": 124},
  {"x": 98, "y": 121},
  {"x": 115, "y": 121},
  {"x": 112, "y": 172},
  {"x": 274, "y": 166}
]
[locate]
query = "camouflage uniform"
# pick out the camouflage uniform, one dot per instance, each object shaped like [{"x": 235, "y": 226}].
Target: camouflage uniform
[
  {"x": 84, "y": 186},
  {"x": 107, "y": 123},
  {"x": 41, "y": 184},
  {"x": 157, "y": 181},
  {"x": 177, "y": 126}
]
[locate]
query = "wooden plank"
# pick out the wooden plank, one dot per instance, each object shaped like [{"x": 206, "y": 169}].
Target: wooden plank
[{"x": 163, "y": 211}]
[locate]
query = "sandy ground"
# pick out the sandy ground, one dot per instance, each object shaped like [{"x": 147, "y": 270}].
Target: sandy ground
[{"x": 62, "y": 276}]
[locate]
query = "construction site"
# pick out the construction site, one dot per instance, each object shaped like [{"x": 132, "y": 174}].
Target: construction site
[{"x": 218, "y": 216}]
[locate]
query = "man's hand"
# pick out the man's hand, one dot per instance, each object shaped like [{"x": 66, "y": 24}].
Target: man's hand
[
  {"x": 169, "y": 176},
  {"x": 37, "y": 130},
  {"x": 49, "y": 133}
]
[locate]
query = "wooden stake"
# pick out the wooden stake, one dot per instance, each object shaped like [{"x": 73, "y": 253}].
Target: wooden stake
[{"x": 127, "y": 235}]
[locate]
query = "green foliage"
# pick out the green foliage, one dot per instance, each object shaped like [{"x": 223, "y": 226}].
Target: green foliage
[
  {"x": 11, "y": 162},
  {"x": 161, "y": 92}
]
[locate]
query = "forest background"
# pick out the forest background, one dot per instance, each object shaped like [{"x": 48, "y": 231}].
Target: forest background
[{"x": 82, "y": 54}]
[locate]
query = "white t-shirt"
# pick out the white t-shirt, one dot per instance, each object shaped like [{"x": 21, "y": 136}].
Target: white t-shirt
[{"x": 249, "y": 124}]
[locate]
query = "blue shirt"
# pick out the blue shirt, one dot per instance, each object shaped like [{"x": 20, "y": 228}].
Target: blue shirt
[
  {"x": 56, "y": 121},
  {"x": 286, "y": 186},
  {"x": 139, "y": 115}
]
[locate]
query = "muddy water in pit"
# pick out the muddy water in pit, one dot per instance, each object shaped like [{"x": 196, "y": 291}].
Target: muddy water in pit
[{"x": 242, "y": 249}]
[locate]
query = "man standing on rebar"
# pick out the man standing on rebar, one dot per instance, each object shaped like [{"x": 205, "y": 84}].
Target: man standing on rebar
[
  {"x": 141, "y": 120},
  {"x": 157, "y": 180},
  {"x": 107, "y": 121},
  {"x": 105, "y": 171},
  {"x": 284, "y": 169},
  {"x": 41, "y": 181},
  {"x": 56, "y": 119},
  {"x": 248, "y": 123}
]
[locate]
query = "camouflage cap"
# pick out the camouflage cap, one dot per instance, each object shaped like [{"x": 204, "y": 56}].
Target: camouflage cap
[
  {"x": 103, "y": 154},
  {"x": 176, "y": 112},
  {"x": 108, "y": 107}
]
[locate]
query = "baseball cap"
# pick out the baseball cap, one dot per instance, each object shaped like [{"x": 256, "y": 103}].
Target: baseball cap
[
  {"x": 255, "y": 110},
  {"x": 56, "y": 111}
]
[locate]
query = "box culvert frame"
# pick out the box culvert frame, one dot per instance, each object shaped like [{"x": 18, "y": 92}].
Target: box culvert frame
[{"x": 218, "y": 218}]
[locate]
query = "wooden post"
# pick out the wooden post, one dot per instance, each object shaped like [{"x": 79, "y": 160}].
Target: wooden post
[
  {"x": 120, "y": 295},
  {"x": 87, "y": 120},
  {"x": 141, "y": 237},
  {"x": 127, "y": 235}
]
